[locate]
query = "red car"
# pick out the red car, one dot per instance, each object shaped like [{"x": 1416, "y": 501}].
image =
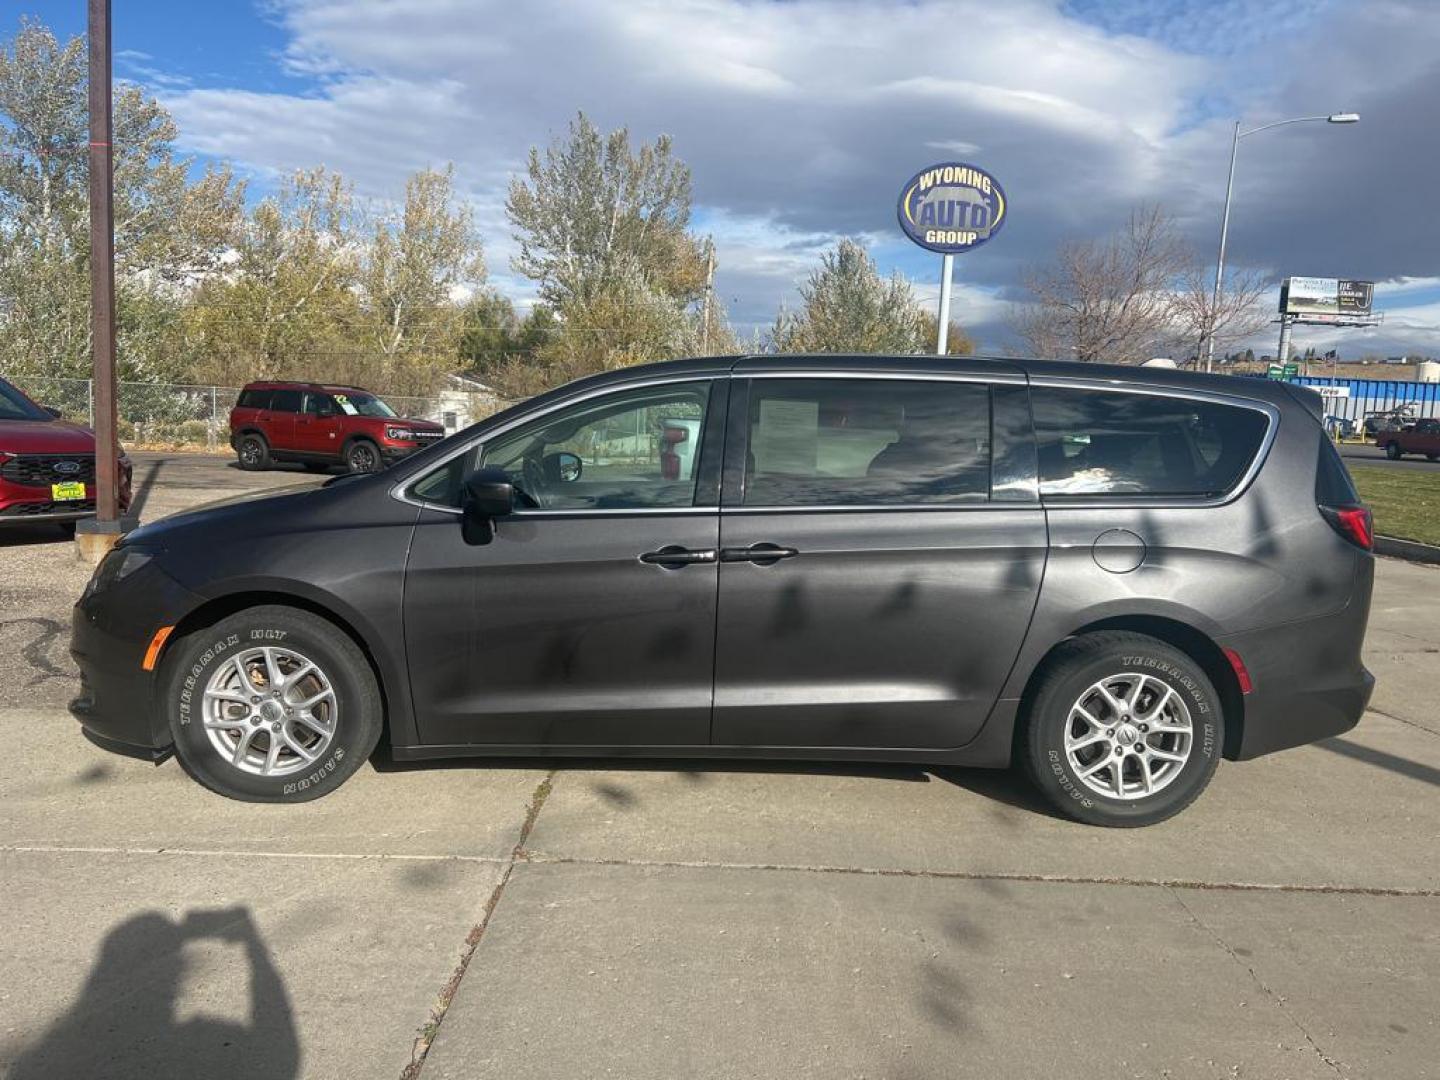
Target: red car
[
  {"x": 47, "y": 465},
  {"x": 1422, "y": 437},
  {"x": 321, "y": 426}
]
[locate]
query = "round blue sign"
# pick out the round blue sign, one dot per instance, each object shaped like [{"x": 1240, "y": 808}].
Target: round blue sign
[{"x": 952, "y": 207}]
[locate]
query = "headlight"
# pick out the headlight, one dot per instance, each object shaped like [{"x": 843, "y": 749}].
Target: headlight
[
  {"x": 115, "y": 567},
  {"x": 399, "y": 434}
]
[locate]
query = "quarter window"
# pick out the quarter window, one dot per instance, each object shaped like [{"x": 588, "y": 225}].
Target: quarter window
[
  {"x": 867, "y": 442},
  {"x": 254, "y": 399},
  {"x": 1110, "y": 444}
]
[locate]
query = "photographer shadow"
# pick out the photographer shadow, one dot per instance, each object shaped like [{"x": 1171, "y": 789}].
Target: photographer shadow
[{"x": 124, "y": 1022}]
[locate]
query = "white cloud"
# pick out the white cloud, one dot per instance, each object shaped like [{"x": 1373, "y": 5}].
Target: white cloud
[{"x": 800, "y": 119}]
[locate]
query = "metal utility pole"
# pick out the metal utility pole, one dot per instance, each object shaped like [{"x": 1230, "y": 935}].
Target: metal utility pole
[
  {"x": 709, "y": 294},
  {"x": 102, "y": 285},
  {"x": 942, "y": 337}
]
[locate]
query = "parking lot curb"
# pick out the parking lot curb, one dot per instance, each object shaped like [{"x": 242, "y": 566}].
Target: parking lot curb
[{"x": 1407, "y": 549}]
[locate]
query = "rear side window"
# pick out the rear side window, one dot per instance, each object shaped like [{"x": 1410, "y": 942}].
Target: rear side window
[
  {"x": 1112, "y": 444},
  {"x": 254, "y": 399},
  {"x": 1333, "y": 486},
  {"x": 867, "y": 442},
  {"x": 285, "y": 401}
]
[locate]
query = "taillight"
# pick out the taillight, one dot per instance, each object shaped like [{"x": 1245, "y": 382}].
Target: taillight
[{"x": 1354, "y": 523}]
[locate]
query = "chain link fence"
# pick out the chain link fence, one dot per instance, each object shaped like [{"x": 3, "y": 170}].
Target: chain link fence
[{"x": 183, "y": 416}]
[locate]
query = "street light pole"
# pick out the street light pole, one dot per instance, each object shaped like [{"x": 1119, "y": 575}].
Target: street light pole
[{"x": 1236, "y": 136}]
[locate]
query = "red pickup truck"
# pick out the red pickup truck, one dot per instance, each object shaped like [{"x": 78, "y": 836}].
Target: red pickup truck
[{"x": 1422, "y": 437}]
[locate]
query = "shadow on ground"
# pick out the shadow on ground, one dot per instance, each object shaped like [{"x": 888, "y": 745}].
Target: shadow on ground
[
  {"x": 126, "y": 1023},
  {"x": 1004, "y": 786}
]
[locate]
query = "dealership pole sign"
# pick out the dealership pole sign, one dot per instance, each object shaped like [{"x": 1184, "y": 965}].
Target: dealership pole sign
[{"x": 951, "y": 208}]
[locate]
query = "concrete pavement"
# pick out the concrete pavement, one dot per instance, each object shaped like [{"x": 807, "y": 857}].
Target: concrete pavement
[{"x": 697, "y": 919}]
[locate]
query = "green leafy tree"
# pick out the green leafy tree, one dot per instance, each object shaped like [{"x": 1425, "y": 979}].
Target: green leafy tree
[
  {"x": 847, "y": 307},
  {"x": 591, "y": 206},
  {"x": 169, "y": 228},
  {"x": 493, "y": 334}
]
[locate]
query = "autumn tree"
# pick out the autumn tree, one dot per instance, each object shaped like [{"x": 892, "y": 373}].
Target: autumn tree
[
  {"x": 847, "y": 307},
  {"x": 287, "y": 300},
  {"x": 171, "y": 227},
  {"x": 602, "y": 228},
  {"x": 421, "y": 254}
]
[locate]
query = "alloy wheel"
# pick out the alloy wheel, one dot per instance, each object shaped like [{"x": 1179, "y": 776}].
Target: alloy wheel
[
  {"x": 270, "y": 711},
  {"x": 1128, "y": 736}
]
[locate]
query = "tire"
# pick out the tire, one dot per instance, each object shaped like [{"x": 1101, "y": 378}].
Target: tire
[
  {"x": 1392, "y": 451},
  {"x": 339, "y": 728},
  {"x": 363, "y": 456},
  {"x": 253, "y": 453},
  {"x": 1130, "y": 665}
]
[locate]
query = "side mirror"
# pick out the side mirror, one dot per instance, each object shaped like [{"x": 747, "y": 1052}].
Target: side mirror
[
  {"x": 56, "y": 413},
  {"x": 488, "y": 495},
  {"x": 562, "y": 467}
]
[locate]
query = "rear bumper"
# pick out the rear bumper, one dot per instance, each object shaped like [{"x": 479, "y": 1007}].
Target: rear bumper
[
  {"x": 1309, "y": 681},
  {"x": 109, "y": 633}
]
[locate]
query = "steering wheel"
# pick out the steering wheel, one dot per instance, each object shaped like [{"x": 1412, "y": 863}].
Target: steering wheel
[{"x": 534, "y": 477}]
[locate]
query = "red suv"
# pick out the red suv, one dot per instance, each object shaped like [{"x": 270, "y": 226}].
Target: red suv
[
  {"x": 321, "y": 426},
  {"x": 47, "y": 465}
]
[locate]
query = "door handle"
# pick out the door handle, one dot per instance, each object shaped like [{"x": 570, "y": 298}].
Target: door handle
[
  {"x": 763, "y": 554},
  {"x": 673, "y": 556}
]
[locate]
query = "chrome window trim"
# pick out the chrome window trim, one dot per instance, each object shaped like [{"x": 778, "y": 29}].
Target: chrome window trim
[
  {"x": 1080, "y": 382},
  {"x": 398, "y": 489},
  {"x": 1130, "y": 501}
]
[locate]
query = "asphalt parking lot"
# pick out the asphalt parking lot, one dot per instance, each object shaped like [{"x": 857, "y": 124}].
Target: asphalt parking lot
[
  {"x": 680, "y": 919},
  {"x": 1369, "y": 454}
]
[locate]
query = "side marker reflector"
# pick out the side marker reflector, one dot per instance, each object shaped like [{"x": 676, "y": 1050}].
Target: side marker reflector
[
  {"x": 152, "y": 654},
  {"x": 1241, "y": 675}
]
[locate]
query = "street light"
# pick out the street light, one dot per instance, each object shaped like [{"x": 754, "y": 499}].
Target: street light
[{"x": 1333, "y": 118}]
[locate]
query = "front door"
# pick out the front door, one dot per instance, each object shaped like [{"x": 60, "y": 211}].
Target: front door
[
  {"x": 877, "y": 575},
  {"x": 589, "y": 618},
  {"x": 317, "y": 426}
]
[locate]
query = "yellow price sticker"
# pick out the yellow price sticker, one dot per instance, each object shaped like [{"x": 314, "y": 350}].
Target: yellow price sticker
[{"x": 67, "y": 490}]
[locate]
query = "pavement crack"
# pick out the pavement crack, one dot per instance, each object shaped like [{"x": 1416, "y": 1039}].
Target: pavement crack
[
  {"x": 420, "y": 1048},
  {"x": 1402, "y": 720},
  {"x": 1335, "y": 1066},
  {"x": 541, "y": 858}
]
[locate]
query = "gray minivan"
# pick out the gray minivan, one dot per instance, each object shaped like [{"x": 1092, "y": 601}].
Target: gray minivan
[{"x": 1109, "y": 576}]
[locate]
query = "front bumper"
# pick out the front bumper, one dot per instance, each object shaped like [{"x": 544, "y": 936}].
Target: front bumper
[
  {"x": 109, "y": 633},
  {"x": 23, "y": 503}
]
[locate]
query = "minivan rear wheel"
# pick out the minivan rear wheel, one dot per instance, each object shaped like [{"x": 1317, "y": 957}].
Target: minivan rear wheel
[
  {"x": 271, "y": 704},
  {"x": 1121, "y": 730}
]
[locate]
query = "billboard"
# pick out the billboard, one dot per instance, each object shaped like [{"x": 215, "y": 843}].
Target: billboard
[
  {"x": 1309, "y": 296},
  {"x": 952, "y": 207}
]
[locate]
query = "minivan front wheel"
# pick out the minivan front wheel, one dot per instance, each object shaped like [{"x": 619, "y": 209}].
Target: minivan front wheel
[
  {"x": 271, "y": 704},
  {"x": 1122, "y": 730}
]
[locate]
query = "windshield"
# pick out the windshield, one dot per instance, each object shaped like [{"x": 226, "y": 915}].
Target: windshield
[
  {"x": 16, "y": 406},
  {"x": 359, "y": 403}
]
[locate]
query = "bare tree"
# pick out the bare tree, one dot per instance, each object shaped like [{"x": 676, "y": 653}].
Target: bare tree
[
  {"x": 1110, "y": 299},
  {"x": 1236, "y": 316}
]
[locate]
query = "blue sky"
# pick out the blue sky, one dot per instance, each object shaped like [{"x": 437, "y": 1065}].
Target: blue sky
[{"x": 802, "y": 119}]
